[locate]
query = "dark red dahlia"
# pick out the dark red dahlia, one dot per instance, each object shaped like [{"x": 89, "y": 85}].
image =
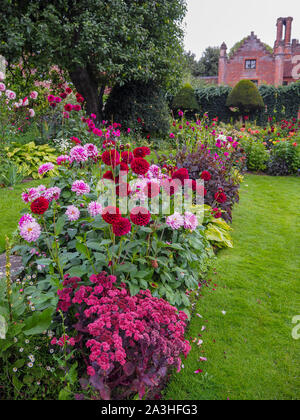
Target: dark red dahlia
[
  {"x": 141, "y": 152},
  {"x": 124, "y": 167},
  {"x": 121, "y": 227},
  {"x": 108, "y": 175},
  {"x": 111, "y": 214},
  {"x": 152, "y": 189},
  {"x": 68, "y": 90},
  {"x": 68, "y": 107},
  {"x": 39, "y": 206},
  {"x": 77, "y": 107},
  {"x": 201, "y": 190},
  {"x": 111, "y": 157},
  {"x": 217, "y": 213},
  {"x": 206, "y": 176},
  {"x": 140, "y": 216},
  {"x": 140, "y": 166},
  {"x": 220, "y": 197},
  {"x": 63, "y": 95},
  {"x": 181, "y": 174},
  {"x": 127, "y": 157}
]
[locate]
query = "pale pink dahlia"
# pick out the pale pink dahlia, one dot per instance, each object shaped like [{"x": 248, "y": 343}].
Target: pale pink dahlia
[
  {"x": 52, "y": 193},
  {"x": 190, "y": 221},
  {"x": 73, "y": 213},
  {"x": 33, "y": 95},
  {"x": 46, "y": 167},
  {"x": 91, "y": 150},
  {"x": 80, "y": 187},
  {"x": 176, "y": 221},
  {"x": 30, "y": 231},
  {"x": 94, "y": 209},
  {"x": 78, "y": 154}
]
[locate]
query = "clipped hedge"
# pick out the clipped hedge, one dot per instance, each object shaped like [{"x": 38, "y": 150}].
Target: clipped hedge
[
  {"x": 280, "y": 103},
  {"x": 212, "y": 99},
  {"x": 186, "y": 101},
  {"x": 137, "y": 105},
  {"x": 246, "y": 97}
]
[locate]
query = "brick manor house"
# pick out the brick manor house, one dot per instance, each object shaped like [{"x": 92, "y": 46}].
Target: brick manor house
[{"x": 253, "y": 61}]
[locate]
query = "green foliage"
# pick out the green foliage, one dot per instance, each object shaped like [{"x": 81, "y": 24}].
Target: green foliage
[
  {"x": 209, "y": 62},
  {"x": 137, "y": 101},
  {"x": 246, "y": 97},
  {"x": 10, "y": 175},
  {"x": 284, "y": 159},
  {"x": 217, "y": 233},
  {"x": 212, "y": 100},
  {"x": 97, "y": 42},
  {"x": 257, "y": 154},
  {"x": 29, "y": 157},
  {"x": 185, "y": 100}
]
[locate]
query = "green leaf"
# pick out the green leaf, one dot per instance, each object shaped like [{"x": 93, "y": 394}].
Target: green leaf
[{"x": 38, "y": 322}]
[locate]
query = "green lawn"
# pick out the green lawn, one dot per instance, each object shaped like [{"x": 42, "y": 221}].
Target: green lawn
[
  {"x": 10, "y": 206},
  {"x": 250, "y": 351}
]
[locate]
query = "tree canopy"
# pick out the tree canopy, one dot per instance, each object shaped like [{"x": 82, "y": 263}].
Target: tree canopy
[{"x": 98, "y": 42}]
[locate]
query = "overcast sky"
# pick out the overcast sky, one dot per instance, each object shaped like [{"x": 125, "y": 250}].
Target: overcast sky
[{"x": 209, "y": 23}]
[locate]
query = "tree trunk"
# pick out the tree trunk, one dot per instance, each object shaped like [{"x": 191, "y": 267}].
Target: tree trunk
[{"x": 87, "y": 87}]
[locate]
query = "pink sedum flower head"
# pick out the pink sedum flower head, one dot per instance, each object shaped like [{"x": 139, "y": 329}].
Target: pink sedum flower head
[
  {"x": 30, "y": 231},
  {"x": 95, "y": 209},
  {"x": 73, "y": 213},
  {"x": 176, "y": 221},
  {"x": 46, "y": 167},
  {"x": 80, "y": 187},
  {"x": 78, "y": 154},
  {"x": 190, "y": 221}
]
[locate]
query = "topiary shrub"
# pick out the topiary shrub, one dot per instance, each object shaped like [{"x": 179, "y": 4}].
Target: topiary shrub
[
  {"x": 246, "y": 97},
  {"x": 139, "y": 106},
  {"x": 185, "y": 100}
]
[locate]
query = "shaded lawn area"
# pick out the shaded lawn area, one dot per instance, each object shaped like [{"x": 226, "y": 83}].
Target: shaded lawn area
[
  {"x": 250, "y": 351},
  {"x": 10, "y": 206}
]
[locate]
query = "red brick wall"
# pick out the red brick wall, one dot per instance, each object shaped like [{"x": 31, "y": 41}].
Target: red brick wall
[{"x": 252, "y": 50}]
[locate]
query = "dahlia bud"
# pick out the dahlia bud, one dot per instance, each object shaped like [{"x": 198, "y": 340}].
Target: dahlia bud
[
  {"x": 154, "y": 263},
  {"x": 127, "y": 146}
]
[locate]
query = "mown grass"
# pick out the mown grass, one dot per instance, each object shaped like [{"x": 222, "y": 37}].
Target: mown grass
[
  {"x": 250, "y": 351},
  {"x": 10, "y": 206}
]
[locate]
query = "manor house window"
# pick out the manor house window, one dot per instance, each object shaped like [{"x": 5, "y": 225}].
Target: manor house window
[{"x": 250, "y": 64}]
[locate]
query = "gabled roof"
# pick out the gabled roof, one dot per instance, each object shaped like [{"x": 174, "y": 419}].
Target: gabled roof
[{"x": 258, "y": 42}]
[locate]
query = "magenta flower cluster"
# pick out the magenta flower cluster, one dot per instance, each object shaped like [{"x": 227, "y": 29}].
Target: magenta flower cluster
[{"x": 130, "y": 339}]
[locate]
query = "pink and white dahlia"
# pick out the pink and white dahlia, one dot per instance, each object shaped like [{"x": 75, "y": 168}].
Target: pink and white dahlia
[
  {"x": 94, "y": 209},
  {"x": 73, "y": 213},
  {"x": 30, "y": 231},
  {"x": 31, "y": 195},
  {"x": 78, "y": 154},
  {"x": 46, "y": 167},
  {"x": 25, "y": 219},
  {"x": 63, "y": 159},
  {"x": 176, "y": 221},
  {"x": 31, "y": 113},
  {"x": 10, "y": 94},
  {"x": 34, "y": 95},
  {"x": 52, "y": 193},
  {"x": 91, "y": 150},
  {"x": 154, "y": 172},
  {"x": 190, "y": 221},
  {"x": 2, "y": 87},
  {"x": 80, "y": 187}
]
